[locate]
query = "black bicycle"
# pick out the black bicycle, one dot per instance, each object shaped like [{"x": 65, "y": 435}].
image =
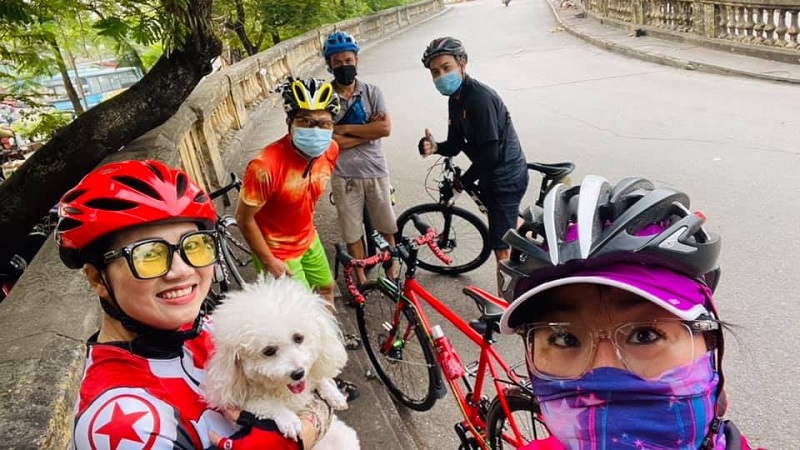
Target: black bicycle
[
  {"x": 463, "y": 236},
  {"x": 234, "y": 251}
]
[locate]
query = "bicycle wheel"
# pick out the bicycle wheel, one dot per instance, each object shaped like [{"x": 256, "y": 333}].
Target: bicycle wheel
[
  {"x": 526, "y": 414},
  {"x": 235, "y": 252},
  {"x": 462, "y": 236},
  {"x": 408, "y": 368}
]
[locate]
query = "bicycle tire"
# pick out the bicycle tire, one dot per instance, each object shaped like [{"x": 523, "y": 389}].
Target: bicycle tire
[
  {"x": 235, "y": 251},
  {"x": 531, "y": 427},
  {"x": 471, "y": 230},
  {"x": 375, "y": 313}
]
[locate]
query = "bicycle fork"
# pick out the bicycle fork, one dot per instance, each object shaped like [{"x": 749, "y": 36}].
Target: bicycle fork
[{"x": 394, "y": 344}]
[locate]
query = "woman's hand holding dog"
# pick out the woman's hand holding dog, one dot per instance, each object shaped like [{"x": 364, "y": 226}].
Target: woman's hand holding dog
[
  {"x": 264, "y": 434},
  {"x": 319, "y": 413}
]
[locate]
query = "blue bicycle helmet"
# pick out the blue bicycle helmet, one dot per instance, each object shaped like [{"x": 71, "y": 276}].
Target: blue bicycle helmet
[{"x": 338, "y": 42}]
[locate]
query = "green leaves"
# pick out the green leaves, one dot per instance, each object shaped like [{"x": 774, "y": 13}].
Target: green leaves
[{"x": 15, "y": 11}]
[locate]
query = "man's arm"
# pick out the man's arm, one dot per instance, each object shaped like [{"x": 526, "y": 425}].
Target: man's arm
[
  {"x": 246, "y": 219},
  {"x": 348, "y": 142},
  {"x": 484, "y": 152},
  {"x": 379, "y": 126},
  {"x": 483, "y": 163}
]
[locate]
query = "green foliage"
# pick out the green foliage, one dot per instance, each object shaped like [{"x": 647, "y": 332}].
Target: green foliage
[
  {"x": 266, "y": 22},
  {"x": 151, "y": 54},
  {"x": 37, "y": 35},
  {"x": 43, "y": 126}
]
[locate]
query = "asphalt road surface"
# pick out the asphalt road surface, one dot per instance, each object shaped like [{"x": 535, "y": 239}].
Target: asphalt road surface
[{"x": 731, "y": 143}]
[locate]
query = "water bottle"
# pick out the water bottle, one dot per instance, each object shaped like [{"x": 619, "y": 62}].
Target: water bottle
[{"x": 448, "y": 358}]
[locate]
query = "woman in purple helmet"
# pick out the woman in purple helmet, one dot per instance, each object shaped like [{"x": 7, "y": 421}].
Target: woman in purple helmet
[{"x": 611, "y": 288}]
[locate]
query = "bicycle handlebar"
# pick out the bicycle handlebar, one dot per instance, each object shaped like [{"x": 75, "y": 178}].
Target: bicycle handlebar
[
  {"x": 235, "y": 183},
  {"x": 428, "y": 237}
]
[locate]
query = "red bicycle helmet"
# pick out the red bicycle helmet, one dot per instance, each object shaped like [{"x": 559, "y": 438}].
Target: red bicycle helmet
[{"x": 125, "y": 194}]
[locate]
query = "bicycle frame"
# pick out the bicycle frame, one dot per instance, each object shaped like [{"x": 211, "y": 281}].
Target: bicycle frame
[
  {"x": 469, "y": 402},
  {"x": 551, "y": 174},
  {"x": 470, "y": 399}
]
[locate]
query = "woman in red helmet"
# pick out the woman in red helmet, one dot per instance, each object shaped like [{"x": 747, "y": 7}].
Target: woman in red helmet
[{"x": 143, "y": 233}]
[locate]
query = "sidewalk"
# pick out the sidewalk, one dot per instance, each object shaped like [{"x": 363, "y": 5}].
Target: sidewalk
[{"x": 683, "y": 55}]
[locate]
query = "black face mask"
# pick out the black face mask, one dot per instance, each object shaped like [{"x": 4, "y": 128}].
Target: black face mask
[{"x": 345, "y": 75}]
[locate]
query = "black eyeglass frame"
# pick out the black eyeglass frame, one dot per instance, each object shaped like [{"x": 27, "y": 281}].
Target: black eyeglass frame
[{"x": 127, "y": 252}]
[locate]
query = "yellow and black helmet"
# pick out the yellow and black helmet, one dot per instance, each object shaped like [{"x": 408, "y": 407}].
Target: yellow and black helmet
[{"x": 311, "y": 94}]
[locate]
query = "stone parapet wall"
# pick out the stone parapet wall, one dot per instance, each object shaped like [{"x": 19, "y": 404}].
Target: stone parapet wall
[
  {"x": 51, "y": 312},
  {"x": 768, "y": 29}
]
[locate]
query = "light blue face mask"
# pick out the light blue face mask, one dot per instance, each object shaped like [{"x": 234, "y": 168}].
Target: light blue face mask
[
  {"x": 448, "y": 83},
  {"x": 312, "y": 141}
]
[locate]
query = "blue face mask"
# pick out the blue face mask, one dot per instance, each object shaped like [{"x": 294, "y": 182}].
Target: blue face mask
[
  {"x": 614, "y": 408},
  {"x": 312, "y": 141},
  {"x": 448, "y": 83}
]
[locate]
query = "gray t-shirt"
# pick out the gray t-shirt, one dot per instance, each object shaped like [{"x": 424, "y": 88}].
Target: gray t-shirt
[{"x": 366, "y": 160}]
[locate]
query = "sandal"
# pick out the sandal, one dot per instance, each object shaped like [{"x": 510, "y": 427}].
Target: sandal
[
  {"x": 351, "y": 341},
  {"x": 347, "y": 388}
]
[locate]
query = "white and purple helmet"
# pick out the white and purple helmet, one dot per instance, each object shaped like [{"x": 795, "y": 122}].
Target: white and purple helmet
[{"x": 631, "y": 235}]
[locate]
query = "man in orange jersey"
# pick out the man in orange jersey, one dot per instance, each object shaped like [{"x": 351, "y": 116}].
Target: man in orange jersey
[{"x": 283, "y": 183}]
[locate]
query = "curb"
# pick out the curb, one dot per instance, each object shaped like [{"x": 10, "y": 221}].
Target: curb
[{"x": 657, "y": 58}]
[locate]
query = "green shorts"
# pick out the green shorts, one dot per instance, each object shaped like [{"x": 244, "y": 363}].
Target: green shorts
[{"x": 311, "y": 268}]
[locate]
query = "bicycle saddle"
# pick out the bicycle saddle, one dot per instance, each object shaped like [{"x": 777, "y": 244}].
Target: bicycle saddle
[
  {"x": 490, "y": 306},
  {"x": 553, "y": 170}
]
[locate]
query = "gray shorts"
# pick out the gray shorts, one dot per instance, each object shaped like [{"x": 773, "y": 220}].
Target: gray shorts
[{"x": 350, "y": 195}]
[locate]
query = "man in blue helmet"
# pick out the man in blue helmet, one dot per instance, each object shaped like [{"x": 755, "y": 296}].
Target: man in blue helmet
[{"x": 362, "y": 173}]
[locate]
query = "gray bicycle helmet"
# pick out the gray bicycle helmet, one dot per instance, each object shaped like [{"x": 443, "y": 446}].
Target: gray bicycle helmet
[
  {"x": 444, "y": 46},
  {"x": 598, "y": 223}
]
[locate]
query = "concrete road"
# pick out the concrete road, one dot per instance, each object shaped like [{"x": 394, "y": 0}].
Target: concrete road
[{"x": 731, "y": 143}]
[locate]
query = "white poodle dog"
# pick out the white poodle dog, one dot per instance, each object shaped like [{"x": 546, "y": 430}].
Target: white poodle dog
[{"x": 275, "y": 344}]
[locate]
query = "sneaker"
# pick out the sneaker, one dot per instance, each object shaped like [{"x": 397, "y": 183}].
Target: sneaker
[
  {"x": 348, "y": 389},
  {"x": 352, "y": 341}
]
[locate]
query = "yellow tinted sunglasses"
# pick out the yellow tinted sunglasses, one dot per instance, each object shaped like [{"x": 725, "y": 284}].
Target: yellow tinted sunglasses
[{"x": 152, "y": 258}]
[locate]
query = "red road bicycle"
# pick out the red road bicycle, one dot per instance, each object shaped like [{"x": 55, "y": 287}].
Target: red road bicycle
[{"x": 403, "y": 346}]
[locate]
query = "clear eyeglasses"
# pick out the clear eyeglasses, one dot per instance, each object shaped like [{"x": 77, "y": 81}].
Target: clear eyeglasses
[{"x": 566, "y": 351}]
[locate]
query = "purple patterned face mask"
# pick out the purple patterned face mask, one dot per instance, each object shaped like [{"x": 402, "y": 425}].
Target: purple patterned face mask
[{"x": 610, "y": 408}]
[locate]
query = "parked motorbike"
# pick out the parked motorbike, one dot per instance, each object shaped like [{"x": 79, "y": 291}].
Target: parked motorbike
[{"x": 12, "y": 270}]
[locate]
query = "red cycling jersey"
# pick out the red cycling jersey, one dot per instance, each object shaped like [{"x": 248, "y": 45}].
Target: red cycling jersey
[{"x": 131, "y": 401}]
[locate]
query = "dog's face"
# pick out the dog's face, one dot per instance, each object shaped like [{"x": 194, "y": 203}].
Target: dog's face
[
  {"x": 272, "y": 337},
  {"x": 282, "y": 354}
]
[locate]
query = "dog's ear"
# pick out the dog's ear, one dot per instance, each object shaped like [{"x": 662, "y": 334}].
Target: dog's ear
[
  {"x": 333, "y": 355},
  {"x": 225, "y": 385}
]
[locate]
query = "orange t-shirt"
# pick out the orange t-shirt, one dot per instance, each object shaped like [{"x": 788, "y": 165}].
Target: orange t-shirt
[{"x": 274, "y": 181}]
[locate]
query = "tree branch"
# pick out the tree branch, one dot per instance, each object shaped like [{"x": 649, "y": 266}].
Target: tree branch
[{"x": 80, "y": 146}]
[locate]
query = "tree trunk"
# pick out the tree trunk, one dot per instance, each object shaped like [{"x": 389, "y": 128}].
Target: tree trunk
[
  {"x": 78, "y": 79},
  {"x": 80, "y": 146},
  {"x": 240, "y": 30},
  {"x": 62, "y": 69},
  {"x": 276, "y": 36}
]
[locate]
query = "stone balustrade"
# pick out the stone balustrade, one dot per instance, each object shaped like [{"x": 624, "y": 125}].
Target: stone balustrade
[
  {"x": 765, "y": 29},
  {"x": 51, "y": 311}
]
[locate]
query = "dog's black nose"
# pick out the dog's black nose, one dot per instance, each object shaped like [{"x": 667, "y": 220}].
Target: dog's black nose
[{"x": 298, "y": 374}]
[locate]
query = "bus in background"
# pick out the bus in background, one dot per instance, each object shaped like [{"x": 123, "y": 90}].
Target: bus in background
[{"x": 99, "y": 83}]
